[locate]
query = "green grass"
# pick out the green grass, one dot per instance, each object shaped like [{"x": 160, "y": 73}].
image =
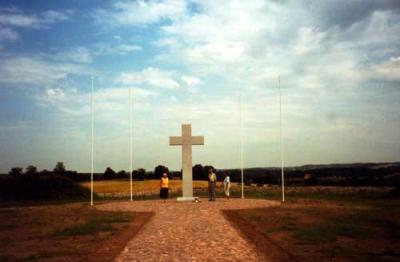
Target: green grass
[
  {"x": 362, "y": 224},
  {"x": 37, "y": 257},
  {"x": 6, "y": 227},
  {"x": 330, "y": 231},
  {"x": 5, "y": 258},
  {"x": 95, "y": 225},
  {"x": 337, "y": 251},
  {"x": 90, "y": 227},
  {"x": 115, "y": 218},
  {"x": 385, "y": 255},
  {"x": 316, "y": 234}
]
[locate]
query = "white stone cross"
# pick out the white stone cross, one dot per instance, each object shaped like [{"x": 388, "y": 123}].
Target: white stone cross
[{"x": 186, "y": 141}]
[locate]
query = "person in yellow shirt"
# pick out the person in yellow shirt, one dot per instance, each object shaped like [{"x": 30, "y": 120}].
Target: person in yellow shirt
[{"x": 164, "y": 187}]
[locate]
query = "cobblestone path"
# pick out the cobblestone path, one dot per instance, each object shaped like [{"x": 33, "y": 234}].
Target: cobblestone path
[{"x": 188, "y": 231}]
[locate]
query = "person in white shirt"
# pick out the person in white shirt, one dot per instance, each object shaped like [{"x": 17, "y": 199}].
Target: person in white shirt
[{"x": 227, "y": 185}]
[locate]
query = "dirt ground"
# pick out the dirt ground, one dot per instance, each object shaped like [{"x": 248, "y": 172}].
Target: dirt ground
[
  {"x": 66, "y": 232},
  {"x": 323, "y": 230}
]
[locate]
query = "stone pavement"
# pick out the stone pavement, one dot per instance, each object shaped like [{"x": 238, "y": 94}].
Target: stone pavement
[{"x": 188, "y": 231}]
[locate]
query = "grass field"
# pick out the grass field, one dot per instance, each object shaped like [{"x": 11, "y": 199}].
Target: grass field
[
  {"x": 335, "y": 229},
  {"x": 149, "y": 189},
  {"x": 66, "y": 232}
]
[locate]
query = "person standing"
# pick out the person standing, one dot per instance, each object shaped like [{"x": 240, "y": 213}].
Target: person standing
[
  {"x": 164, "y": 187},
  {"x": 227, "y": 185},
  {"x": 212, "y": 181}
]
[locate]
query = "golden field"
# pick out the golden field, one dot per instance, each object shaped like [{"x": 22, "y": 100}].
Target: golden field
[{"x": 140, "y": 188}]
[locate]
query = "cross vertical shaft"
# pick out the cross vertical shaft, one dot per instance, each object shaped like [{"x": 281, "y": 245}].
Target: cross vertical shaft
[
  {"x": 186, "y": 141},
  {"x": 187, "y": 161}
]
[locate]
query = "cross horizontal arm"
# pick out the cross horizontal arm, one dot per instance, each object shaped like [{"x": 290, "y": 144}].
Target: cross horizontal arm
[
  {"x": 197, "y": 140},
  {"x": 175, "y": 141}
]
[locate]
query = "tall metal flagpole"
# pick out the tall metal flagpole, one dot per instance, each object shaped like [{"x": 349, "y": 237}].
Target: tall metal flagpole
[
  {"x": 92, "y": 140},
  {"x": 131, "y": 140},
  {"x": 281, "y": 137},
  {"x": 241, "y": 142}
]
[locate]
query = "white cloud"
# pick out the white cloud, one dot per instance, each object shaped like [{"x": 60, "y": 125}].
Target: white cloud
[
  {"x": 51, "y": 16},
  {"x": 308, "y": 39},
  {"x": 110, "y": 104},
  {"x": 228, "y": 38},
  {"x": 395, "y": 59},
  {"x": 150, "y": 76},
  {"x": 141, "y": 12},
  {"x": 12, "y": 19},
  {"x": 120, "y": 49},
  {"x": 17, "y": 18},
  {"x": 387, "y": 70},
  {"x": 84, "y": 55},
  {"x": 8, "y": 34},
  {"x": 78, "y": 55},
  {"x": 248, "y": 41},
  {"x": 125, "y": 48},
  {"x": 35, "y": 71},
  {"x": 190, "y": 80}
]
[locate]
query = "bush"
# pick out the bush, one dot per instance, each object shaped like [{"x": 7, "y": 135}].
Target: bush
[
  {"x": 40, "y": 187},
  {"x": 140, "y": 174},
  {"x": 310, "y": 179},
  {"x": 16, "y": 171},
  {"x": 59, "y": 168},
  {"x": 247, "y": 182},
  {"x": 123, "y": 174},
  {"x": 109, "y": 173},
  {"x": 159, "y": 170},
  {"x": 199, "y": 173}
]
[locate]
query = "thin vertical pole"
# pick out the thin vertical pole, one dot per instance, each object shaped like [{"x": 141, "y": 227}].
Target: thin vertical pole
[
  {"x": 241, "y": 143},
  {"x": 131, "y": 140},
  {"x": 281, "y": 138},
  {"x": 92, "y": 140}
]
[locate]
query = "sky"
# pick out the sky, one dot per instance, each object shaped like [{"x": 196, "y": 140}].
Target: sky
[{"x": 205, "y": 63}]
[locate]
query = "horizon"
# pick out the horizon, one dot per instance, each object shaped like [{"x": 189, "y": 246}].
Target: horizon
[
  {"x": 232, "y": 168},
  {"x": 188, "y": 61}
]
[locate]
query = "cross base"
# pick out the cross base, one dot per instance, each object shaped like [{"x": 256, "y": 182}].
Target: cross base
[{"x": 185, "y": 199}]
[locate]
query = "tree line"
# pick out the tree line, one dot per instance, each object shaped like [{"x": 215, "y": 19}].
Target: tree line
[{"x": 333, "y": 175}]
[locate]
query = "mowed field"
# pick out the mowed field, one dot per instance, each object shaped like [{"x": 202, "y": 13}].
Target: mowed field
[
  {"x": 332, "y": 228},
  {"x": 65, "y": 232}
]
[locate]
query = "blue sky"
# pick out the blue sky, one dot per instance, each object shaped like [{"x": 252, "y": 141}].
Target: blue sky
[{"x": 187, "y": 62}]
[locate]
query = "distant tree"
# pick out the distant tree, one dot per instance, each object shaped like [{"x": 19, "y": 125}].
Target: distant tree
[
  {"x": 31, "y": 170},
  {"x": 45, "y": 172},
  {"x": 310, "y": 179},
  {"x": 15, "y": 171},
  {"x": 123, "y": 174},
  {"x": 150, "y": 175},
  {"x": 269, "y": 178},
  {"x": 248, "y": 182},
  {"x": 59, "y": 168},
  {"x": 73, "y": 175},
  {"x": 159, "y": 170},
  {"x": 135, "y": 174},
  {"x": 141, "y": 173},
  {"x": 396, "y": 183},
  {"x": 198, "y": 172},
  {"x": 109, "y": 173}
]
